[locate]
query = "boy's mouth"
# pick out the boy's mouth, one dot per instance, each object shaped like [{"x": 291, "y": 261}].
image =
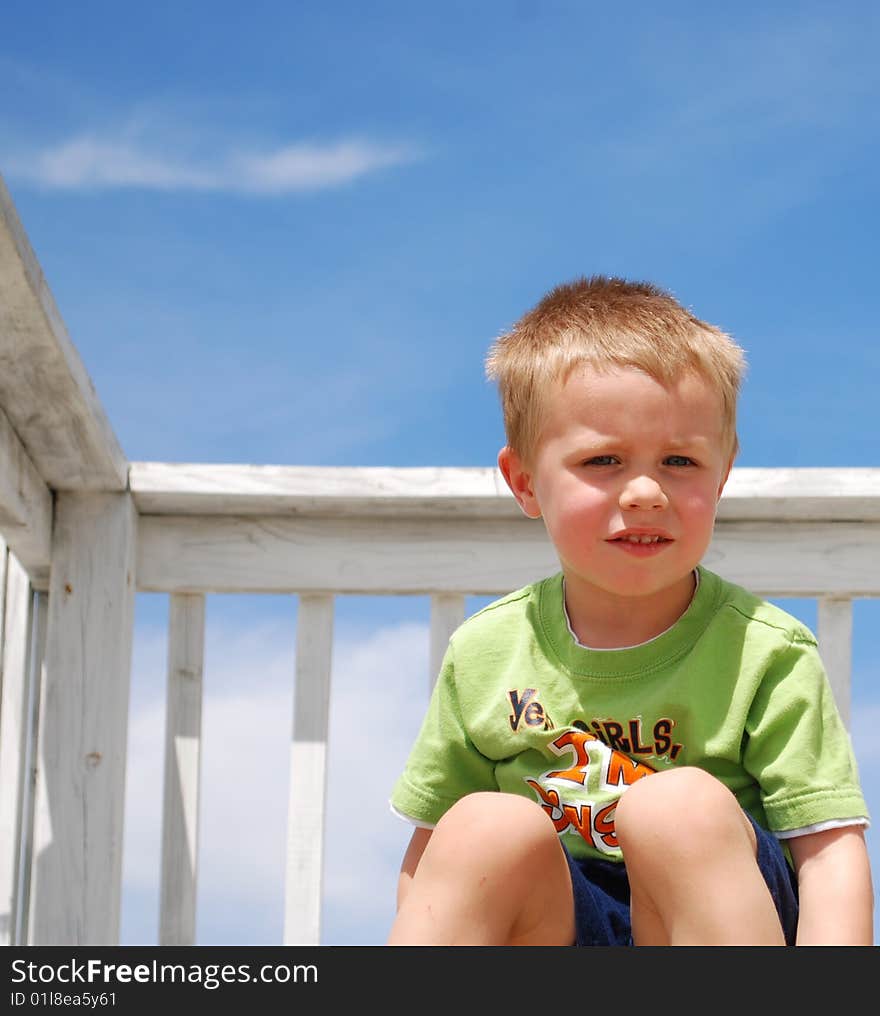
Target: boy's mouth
[
  {"x": 641, "y": 544},
  {"x": 640, "y": 538}
]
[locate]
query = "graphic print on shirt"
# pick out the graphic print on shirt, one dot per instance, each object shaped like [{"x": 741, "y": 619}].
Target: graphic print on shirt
[
  {"x": 527, "y": 709},
  {"x": 582, "y": 797},
  {"x": 576, "y": 805}
]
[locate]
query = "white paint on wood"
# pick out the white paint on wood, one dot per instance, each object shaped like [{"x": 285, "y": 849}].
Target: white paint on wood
[
  {"x": 190, "y": 488},
  {"x": 799, "y": 558},
  {"x": 14, "y": 692},
  {"x": 835, "y": 647},
  {"x": 4, "y": 562},
  {"x": 804, "y": 494},
  {"x": 425, "y": 556},
  {"x": 77, "y": 869},
  {"x": 68, "y": 437},
  {"x": 305, "y": 819},
  {"x": 183, "y": 734},
  {"x": 38, "y": 656},
  {"x": 447, "y": 613},
  {"x": 25, "y": 506},
  {"x": 43, "y": 831},
  {"x": 318, "y": 532},
  {"x": 357, "y": 555}
]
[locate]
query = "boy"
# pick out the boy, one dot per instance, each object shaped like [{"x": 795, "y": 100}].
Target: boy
[{"x": 633, "y": 751}]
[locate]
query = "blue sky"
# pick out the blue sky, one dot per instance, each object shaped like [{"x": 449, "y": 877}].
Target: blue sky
[{"x": 287, "y": 233}]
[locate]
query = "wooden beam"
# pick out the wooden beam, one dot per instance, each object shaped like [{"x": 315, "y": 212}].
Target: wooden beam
[
  {"x": 77, "y": 860},
  {"x": 356, "y": 555},
  {"x": 160, "y": 488},
  {"x": 472, "y": 556},
  {"x": 193, "y": 489},
  {"x": 802, "y": 495},
  {"x": 799, "y": 559},
  {"x": 45, "y": 390},
  {"x": 25, "y": 506}
]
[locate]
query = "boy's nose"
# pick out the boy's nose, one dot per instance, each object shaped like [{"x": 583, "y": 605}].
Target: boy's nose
[{"x": 643, "y": 492}]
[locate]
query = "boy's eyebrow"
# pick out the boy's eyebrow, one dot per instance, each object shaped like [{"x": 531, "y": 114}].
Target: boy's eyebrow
[
  {"x": 603, "y": 444},
  {"x": 682, "y": 442},
  {"x": 597, "y": 440}
]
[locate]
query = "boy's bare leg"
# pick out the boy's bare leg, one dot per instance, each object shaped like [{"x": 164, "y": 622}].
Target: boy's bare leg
[
  {"x": 492, "y": 873},
  {"x": 690, "y": 854}
]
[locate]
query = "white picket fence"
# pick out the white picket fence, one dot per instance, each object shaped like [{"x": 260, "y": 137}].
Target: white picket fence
[{"x": 82, "y": 530}]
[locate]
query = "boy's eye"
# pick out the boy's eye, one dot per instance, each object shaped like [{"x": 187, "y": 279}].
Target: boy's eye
[
  {"x": 601, "y": 460},
  {"x": 678, "y": 460}
]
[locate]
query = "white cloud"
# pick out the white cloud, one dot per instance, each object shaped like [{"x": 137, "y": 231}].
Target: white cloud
[
  {"x": 90, "y": 162},
  {"x": 380, "y": 695},
  {"x": 311, "y": 167},
  {"x": 379, "y": 692},
  {"x": 865, "y": 730}
]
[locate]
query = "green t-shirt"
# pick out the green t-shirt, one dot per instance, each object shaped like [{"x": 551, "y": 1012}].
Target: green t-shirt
[{"x": 735, "y": 687}]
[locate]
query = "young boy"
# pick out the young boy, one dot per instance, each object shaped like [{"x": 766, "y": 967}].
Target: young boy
[{"x": 633, "y": 751}]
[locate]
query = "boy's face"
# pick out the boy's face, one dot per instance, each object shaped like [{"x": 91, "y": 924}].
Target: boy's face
[{"x": 627, "y": 475}]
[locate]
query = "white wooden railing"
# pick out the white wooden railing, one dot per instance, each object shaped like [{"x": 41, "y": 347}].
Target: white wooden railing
[{"x": 82, "y": 530}]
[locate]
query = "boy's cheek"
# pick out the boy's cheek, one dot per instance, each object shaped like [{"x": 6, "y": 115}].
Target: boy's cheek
[
  {"x": 575, "y": 521},
  {"x": 701, "y": 501}
]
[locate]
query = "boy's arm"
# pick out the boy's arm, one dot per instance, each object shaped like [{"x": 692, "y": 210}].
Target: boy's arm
[
  {"x": 410, "y": 862},
  {"x": 834, "y": 887}
]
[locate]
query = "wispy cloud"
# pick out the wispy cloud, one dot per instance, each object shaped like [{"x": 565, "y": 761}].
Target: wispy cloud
[
  {"x": 864, "y": 727},
  {"x": 380, "y": 690},
  {"x": 92, "y": 162},
  {"x": 379, "y": 693}
]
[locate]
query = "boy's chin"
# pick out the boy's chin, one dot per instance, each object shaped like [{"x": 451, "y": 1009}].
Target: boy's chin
[{"x": 634, "y": 586}]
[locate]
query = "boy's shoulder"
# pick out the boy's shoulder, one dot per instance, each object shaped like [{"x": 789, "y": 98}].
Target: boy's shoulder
[
  {"x": 753, "y": 609},
  {"x": 528, "y": 610}
]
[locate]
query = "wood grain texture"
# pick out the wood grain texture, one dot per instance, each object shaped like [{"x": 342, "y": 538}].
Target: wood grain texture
[
  {"x": 25, "y": 505},
  {"x": 183, "y": 742},
  {"x": 469, "y": 556},
  {"x": 14, "y": 696},
  {"x": 193, "y": 489},
  {"x": 308, "y": 771},
  {"x": 751, "y": 494},
  {"x": 45, "y": 390},
  {"x": 835, "y": 647},
  {"x": 77, "y": 866},
  {"x": 38, "y": 652},
  {"x": 447, "y": 613}
]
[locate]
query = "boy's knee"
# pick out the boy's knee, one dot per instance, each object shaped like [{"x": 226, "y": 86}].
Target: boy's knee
[
  {"x": 494, "y": 820},
  {"x": 687, "y": 804},
  {"x": 491, "y": 806}
]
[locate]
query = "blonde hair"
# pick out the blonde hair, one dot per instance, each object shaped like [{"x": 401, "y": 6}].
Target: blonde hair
[{"x": 603, "y": 323}]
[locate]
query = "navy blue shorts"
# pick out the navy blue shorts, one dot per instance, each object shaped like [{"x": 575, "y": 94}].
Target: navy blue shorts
[{"x": 601, "y": 894}]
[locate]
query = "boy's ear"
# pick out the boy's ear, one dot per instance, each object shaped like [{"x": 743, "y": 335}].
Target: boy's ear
[
  {"x": 725, "y": 477},
  {"x": 519, "y": 480}
]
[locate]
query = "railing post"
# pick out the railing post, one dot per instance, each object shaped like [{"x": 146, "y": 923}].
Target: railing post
[
  {"x": 835, "y": 645},
  {"x": 77, "y": 864},
  {"x": 183, "y": 736},
  {"x": 15, "y": 622},
  {"x": 36, "y": 672},
  {"x": 447, "y": 613},
  {"x": 307, "y": 802}
]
